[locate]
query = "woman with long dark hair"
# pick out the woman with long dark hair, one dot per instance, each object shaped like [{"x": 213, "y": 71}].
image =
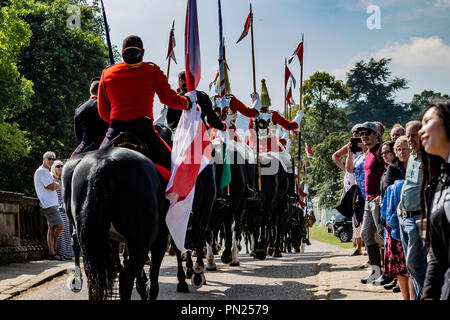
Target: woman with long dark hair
[{"x": 435, "y": 197}]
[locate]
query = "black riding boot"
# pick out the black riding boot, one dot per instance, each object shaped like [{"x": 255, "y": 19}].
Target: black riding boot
[{"x": 373, "y": 252}]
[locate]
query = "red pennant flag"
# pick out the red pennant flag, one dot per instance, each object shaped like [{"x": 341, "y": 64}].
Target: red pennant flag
[
  {"x": 289, "y": 97},
  {"x": 192, "y": 46},
  {"x": 298, "y": 52},
  {"x": 246, "y": 26},
  {"x": 288, "y": 74},
  {"x": 301, "y": 192},
  {"x": 308, "y": 151},
  {"x": 301, "y": 203},
  {"x": 172, "y": 44}
]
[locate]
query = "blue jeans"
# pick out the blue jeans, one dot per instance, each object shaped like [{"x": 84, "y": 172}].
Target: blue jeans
[{"x": 414, "y": 250}]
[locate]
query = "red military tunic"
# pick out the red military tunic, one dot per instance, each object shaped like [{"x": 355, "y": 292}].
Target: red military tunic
[{"x": 126, "y": 93}]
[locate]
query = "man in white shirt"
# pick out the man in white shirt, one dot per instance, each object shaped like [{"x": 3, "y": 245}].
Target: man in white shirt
[{"x": 48, "y": 201}]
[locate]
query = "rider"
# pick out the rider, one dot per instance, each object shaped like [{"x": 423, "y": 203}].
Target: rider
[
  {"x": 268, "y": 120},
  {"x": 173, "y": 116},
  {"x": 125, "y": 101},
  {"x": 89, "y": 127}
]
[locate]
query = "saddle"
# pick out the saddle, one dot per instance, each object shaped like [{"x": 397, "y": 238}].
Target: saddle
[{"x": 130, "y": 141}]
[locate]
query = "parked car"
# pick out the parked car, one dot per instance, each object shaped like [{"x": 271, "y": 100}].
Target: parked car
[
  {"x": 329, "y": 224},
  {"x": 342, "y": 228}
]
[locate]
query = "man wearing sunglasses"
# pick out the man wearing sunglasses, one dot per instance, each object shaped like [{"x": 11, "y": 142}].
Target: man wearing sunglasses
[
  {"x": 125, "y": 101},
  {"x": 373, "y": 170},
  {"x": 46, "y": 187}
]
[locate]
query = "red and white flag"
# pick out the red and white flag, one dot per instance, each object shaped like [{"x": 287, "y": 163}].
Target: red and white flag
[
  {"x": 287, "y": 75},
  {"x": 308, "y": 151},
  {"x": 246, "y": 25},
  {"x": 289, "y": 97},
  {"x": 191, "y": 150},
  {"x": 172, "y": 45},
  {"x": 298, "y": 52}
]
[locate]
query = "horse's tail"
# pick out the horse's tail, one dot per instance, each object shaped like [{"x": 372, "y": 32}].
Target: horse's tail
[{"x": 94, "y": 231}]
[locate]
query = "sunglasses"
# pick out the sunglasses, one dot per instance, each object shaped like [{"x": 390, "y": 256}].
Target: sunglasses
[
  {"x": 59, "y": 166},
  {"x": 51, "y": 159},
  {"x": 365, "y": 133}
]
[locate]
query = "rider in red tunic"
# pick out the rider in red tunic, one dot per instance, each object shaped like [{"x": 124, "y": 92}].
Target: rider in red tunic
[{"x": 125, "y": 101}]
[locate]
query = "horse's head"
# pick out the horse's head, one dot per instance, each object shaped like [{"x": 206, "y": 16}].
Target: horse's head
[{"x": 165, "y": 133}]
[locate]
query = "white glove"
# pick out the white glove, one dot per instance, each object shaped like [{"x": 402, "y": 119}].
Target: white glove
[
  {"x": 256, "y": 101},
  {"x": 192, "y": 95},
  {"x": 231, "y": 119}
]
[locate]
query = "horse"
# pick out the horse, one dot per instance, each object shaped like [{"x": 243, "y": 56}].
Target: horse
[
  {"x": 229, "y": 218},
  {"x": 266, "y": 218},
  {"x": 115, "y": 193},
  {"x": 204, "y": 197}
]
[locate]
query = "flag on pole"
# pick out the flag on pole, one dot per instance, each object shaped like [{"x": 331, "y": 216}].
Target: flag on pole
[
  {"x": 108, "y": 40},
  {"x": 172, "y": 44},
  {"x": 302, "y": 193},
  {"x": 308, "y": 151},
  {"x": 298, "y": 52},
  {"x": 191, "y": 152},
  {"x": 303, "y": 166},
  {"x": 246, "y": 25},
  {"x": 192, "y": 46},
  {"x": 288, "y": 75},
  {"x": 289, "y": 97}
]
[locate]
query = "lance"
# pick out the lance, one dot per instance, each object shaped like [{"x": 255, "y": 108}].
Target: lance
[
  {"x": 300, "y": 108},
  {"x": 254, "y": 91},
  {"x": 171, "y": 32},
  {"x": 108, "y": 40}
]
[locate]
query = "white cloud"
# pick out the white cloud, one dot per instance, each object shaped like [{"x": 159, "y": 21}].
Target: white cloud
[{"x": 419, "y": 52}]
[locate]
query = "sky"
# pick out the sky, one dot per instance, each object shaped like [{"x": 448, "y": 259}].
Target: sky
[{"x": 337, "y": 34}]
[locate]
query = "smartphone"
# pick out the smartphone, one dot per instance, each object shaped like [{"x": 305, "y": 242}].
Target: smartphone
[{"x": 355, "y": 147}]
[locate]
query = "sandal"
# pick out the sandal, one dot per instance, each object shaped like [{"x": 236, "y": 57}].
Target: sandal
[{"x": 54, "y": 257}]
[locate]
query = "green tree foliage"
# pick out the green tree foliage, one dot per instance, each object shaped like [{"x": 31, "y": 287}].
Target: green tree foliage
[
  {"x": 421, "y": 101},
  {"x": 325, "y": 129},
  {"x": 59, "y": 61},
  {"x": 326, "y": 178},
  {"x": 372, "y": 93}
]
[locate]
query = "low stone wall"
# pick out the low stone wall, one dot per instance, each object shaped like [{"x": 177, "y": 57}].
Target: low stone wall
[{"x": 23, "y": 230}]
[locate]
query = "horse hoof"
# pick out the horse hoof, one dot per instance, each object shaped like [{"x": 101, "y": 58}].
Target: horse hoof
[
  {"x": 198, "y": 280},
  {"x": 235, "y": 264},
  {"x": 211, "y": 267},
  {"x": 75, "y": 284},
  {"x": 182, "y": 287},
  {"x": 270, "y": 251},
  {"x": 260, "y": 254},
  {"x": 226, "y": 259}
]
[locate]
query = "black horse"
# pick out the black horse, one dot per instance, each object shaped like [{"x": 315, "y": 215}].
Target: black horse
[
  {"x": 116, "y": 193},
  {"x": 204, "y": 197},
  {"x": 266, "y": 219}
]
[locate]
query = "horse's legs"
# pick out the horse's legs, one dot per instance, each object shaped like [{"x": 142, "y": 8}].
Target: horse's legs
[
  {"x": 181, "y": 276},
  {"x": 76, "y": 282},
  {"x": 138, "y": 256},
  {"x": 189, "y": 264},
  {"x": 198, "y": 277},
  {"x": 158, "y": 251},
  {"x": 226, "y": 254},
  {"x": 210, "y": 264}
]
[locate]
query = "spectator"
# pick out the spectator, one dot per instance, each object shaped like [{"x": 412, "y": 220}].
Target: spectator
[
  {"x": 338, "y": 155},
  {"x": 64, "y": 242},
  {"x": 46, "y": 187},
  {"x": 380, "y": 132},
  {"x": 394, "y": 260},
  {"x": 435, "y": 137},
  {"x": 373, "y": 169},
  {"x": 355, "y": 166},
  {"x": 409, "y": 212},
  {"x": 396, "y": 132}
]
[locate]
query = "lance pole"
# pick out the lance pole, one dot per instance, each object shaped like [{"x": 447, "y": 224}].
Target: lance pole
[
  {"x": 168, "y": 65},
  {"x": 300, "y": 108}
]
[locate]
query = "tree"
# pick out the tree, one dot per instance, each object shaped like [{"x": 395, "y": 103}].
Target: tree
[
  {"x": 372, "y": 91},
  {"x": 421, "y": 101},
  {"x": 59, "y": 61}
]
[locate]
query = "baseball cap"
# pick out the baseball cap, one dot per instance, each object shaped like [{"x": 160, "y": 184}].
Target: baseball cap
[
  {"x": 368, "y": 125},
  {"x": 356, "y": 127}
]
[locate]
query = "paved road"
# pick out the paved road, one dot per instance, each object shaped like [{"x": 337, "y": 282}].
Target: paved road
[{"x": 292, "y": 277}]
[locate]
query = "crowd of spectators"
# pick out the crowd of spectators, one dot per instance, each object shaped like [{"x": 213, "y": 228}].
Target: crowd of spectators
[{"x": 405, "y": 181}]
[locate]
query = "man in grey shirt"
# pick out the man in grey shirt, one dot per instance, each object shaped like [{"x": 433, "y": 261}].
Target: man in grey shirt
[{"x": 409, "y": 212}]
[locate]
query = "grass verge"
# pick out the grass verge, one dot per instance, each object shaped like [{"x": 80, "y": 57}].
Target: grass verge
[{"x": 321, "y": 234}]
